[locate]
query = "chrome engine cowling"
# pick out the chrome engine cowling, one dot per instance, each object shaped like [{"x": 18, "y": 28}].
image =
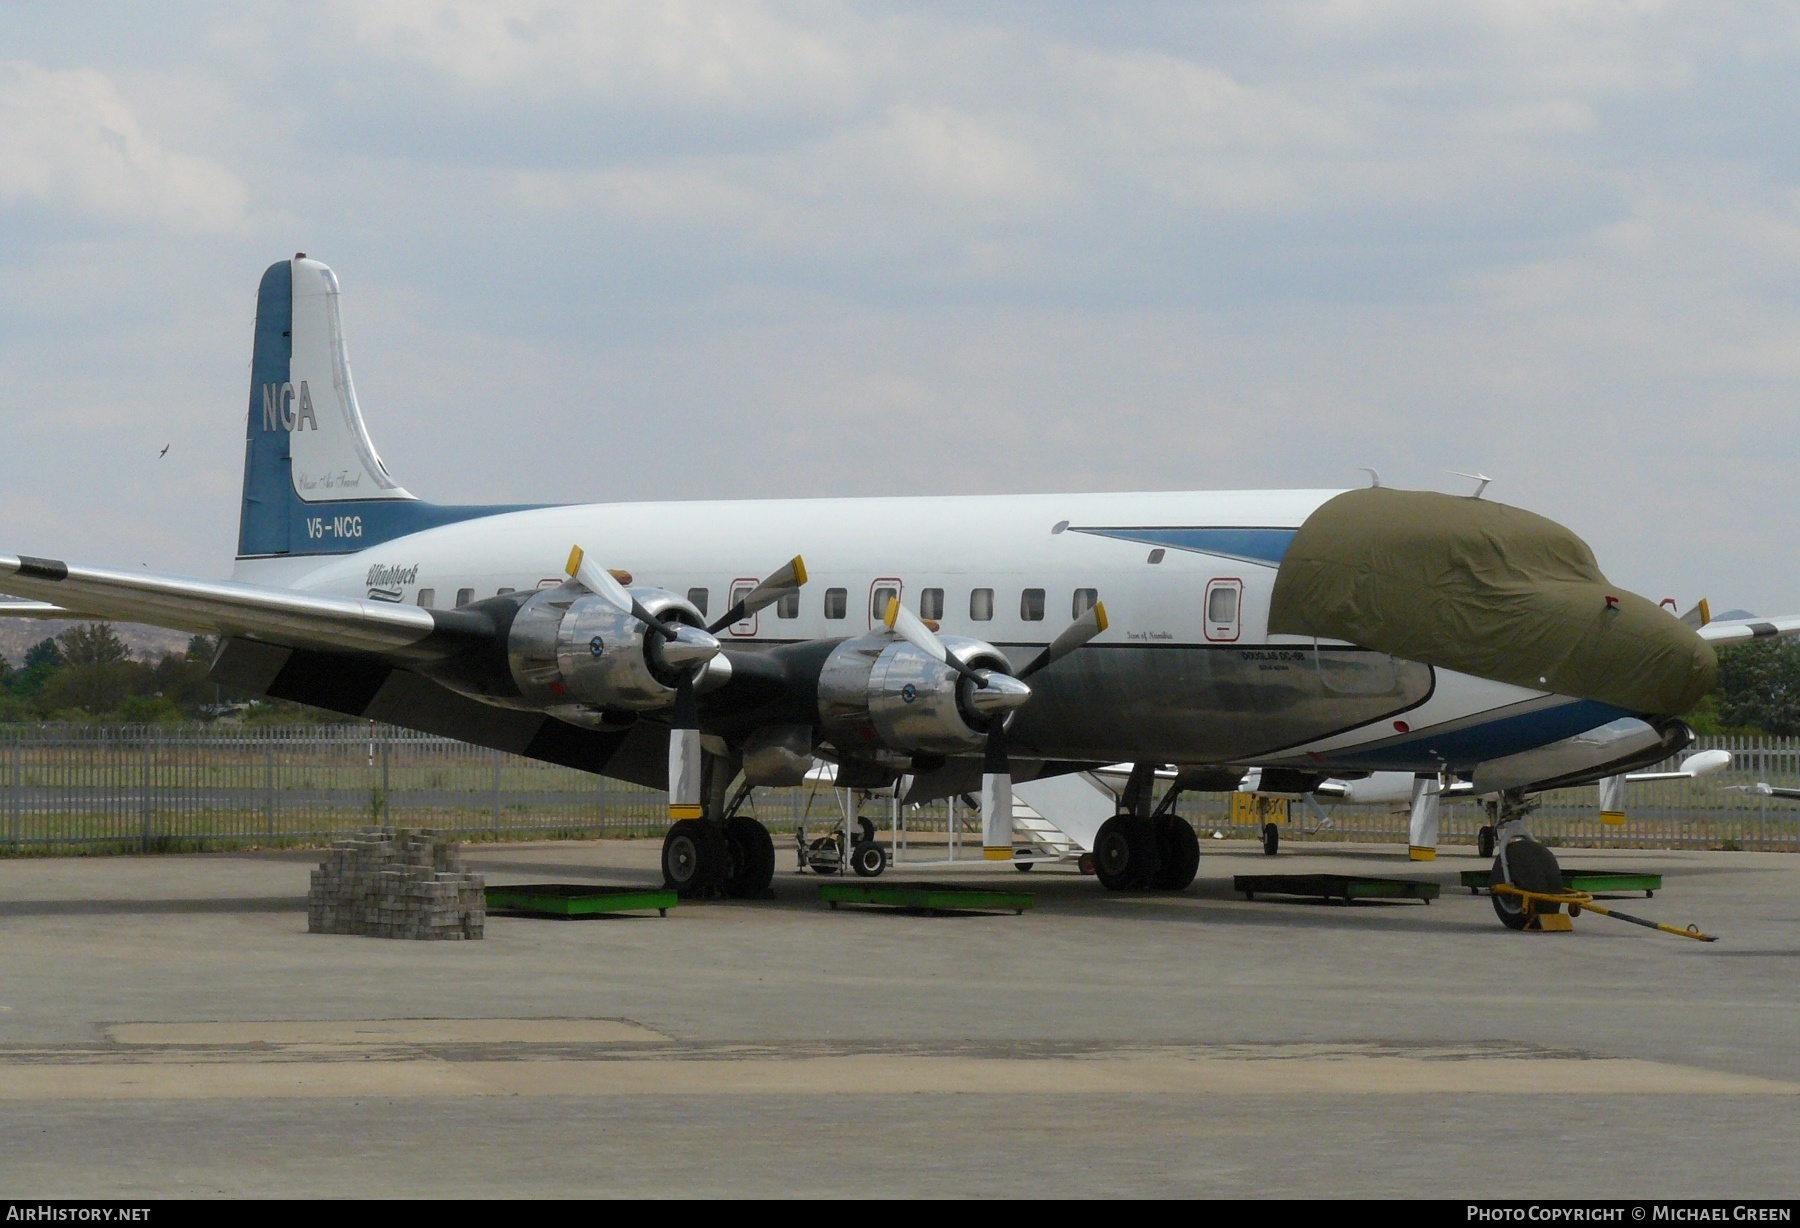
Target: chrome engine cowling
[
  {"x": 880, "y": 693},
  {"x": 567, "y": 646}
]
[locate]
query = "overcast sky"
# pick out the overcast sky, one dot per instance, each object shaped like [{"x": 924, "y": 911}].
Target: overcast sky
[{"x": 620, "y": 251}]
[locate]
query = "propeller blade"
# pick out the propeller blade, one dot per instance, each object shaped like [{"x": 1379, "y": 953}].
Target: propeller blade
[
  {"x": 598, "y": 581},
  {"x": 684, "y": 754},
  {"x": 773, "y": 588},
  {"x": 905, "y": 624},
  {"x": 996, "y": 798},
  {"x": 1074, "y": 636}
]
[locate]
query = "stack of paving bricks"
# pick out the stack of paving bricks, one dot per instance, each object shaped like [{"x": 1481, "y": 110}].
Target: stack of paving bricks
[{"x": 387, "y": 882}]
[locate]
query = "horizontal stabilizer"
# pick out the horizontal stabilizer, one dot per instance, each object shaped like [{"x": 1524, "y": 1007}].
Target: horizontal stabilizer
[
  {"x": 33, "y": 609},
  {"x": 1736, "y": 630},
  {"x": 211, "y": 607}
]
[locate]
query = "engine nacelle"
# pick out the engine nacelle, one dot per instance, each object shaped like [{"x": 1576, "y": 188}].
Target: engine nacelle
[
  {"x": 876, "y": 692},
  {"x": 570, "y": 647}
]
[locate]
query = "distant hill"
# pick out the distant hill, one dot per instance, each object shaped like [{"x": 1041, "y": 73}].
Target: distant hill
[
  {"x": 1730, "y": 614},
  {"x": 17, "y": 635}
]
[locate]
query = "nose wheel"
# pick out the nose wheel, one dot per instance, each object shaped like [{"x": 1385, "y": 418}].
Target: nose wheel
[{"x": 1528, "y": 865}]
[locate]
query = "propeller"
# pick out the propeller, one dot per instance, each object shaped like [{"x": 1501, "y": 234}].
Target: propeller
[
  {"x": 681, "y": 650},
  {"x": 773, "y": 589},
  {"x": 995, "y": 696}
]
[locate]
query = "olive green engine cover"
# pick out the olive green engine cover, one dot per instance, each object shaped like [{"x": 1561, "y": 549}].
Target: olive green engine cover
[{"x": 1484, "y": 589}]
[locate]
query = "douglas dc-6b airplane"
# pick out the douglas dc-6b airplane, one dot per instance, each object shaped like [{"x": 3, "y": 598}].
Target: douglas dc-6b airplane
[{"x": 959, "y": 641}]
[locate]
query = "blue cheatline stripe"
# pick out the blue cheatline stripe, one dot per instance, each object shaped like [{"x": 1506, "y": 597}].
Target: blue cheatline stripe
[
  {"x": 275, "y": 520},
  {"x": 1264, "y": 546},
  {"x": 1463, "y": 748},
  {"x": 344, "y": 528}
]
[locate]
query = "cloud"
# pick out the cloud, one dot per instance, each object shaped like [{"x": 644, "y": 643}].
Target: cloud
[
  {"x": 68, "y": 140},
  {"x": 684, "y": 56}
]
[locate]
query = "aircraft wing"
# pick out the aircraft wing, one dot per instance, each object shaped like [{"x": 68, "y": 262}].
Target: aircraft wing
[
  {"x": 1740, "y": 629},
  {"x": 276, "y": 616}
]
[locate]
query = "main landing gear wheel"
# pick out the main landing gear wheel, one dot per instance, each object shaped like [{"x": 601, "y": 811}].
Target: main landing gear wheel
[
  {"x": 1271, "y": 839},
  {"x": 693, "y": 859},
  {"x": 749, "y": 858},
  {"x": 1484, "y": 842},
  {"x": 1532, "y": 867},
  {"x": 1180, "y": 849},
  {"x": 868, "y": 859},
  {"x": 1125, "y": 853}
]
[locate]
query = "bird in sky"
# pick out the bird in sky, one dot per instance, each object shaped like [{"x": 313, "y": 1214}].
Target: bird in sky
[{"x": 163, "y": 453}]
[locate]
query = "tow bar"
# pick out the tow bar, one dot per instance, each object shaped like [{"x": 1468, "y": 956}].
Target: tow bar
[{"x": 1580, "y": 900}]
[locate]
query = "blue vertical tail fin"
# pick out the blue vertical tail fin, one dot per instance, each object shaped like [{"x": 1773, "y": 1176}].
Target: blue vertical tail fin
[{"x": 313, "y": 482}]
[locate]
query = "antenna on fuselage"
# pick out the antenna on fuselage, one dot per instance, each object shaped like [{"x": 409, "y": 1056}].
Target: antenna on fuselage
[
  {"x": 1374, "y": 478},
  {"x": 1480, "y": 479}
]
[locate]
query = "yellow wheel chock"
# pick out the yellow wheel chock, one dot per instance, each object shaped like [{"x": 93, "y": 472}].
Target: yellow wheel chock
[{"x": 1579, "y": 901}]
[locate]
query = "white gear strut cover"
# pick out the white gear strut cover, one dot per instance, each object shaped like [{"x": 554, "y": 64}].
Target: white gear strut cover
[
  {"x": 684, "y": 774},
  {"x": 1422, "y": 824},
  {"x": 996, "y": 816},
  {"x": 1612, "y": 799}
]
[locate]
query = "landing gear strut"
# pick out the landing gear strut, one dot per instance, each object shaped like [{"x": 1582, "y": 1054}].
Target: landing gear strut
[{"x": 1522, "y": 862}]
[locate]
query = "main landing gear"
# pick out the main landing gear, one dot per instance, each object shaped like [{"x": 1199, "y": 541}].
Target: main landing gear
[
  {"x": 1138, "y": 849},
  {"x": 732, "y": 856},
  {"x": 1521, "y": 862}
]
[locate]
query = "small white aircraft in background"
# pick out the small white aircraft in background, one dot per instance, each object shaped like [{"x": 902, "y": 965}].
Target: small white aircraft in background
[{"x": 964, "y": 642}]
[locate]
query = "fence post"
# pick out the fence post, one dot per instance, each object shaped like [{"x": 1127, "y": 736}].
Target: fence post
[
  {"x": 268, "y": 785},
  {"x": 144, "y": 752},
  {"x": 495, "y": 753},
  {"x": 15, "y": 801}
]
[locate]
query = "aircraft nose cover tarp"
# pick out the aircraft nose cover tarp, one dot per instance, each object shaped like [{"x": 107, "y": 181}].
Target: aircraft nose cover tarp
[{"x": 1484, "y": 589}]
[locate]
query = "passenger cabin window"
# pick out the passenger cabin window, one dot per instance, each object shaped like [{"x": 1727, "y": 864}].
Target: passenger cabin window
[
  {"x": 464, "y": 596},
  {"x": 931, "y": 603},
  {"x": 427, "y": 598},
  {"x": 1031, "y": 605},
  {"x": 981, "y": 605},
  {"x": 501, "y": 592},
  {"x": 1085, "y": 600},
  {"x": 697, "y": 599},
  {"x": 837, "y": 600},
  {"x": 788, "y": 606},
  {"x": 880, "y": 597}
]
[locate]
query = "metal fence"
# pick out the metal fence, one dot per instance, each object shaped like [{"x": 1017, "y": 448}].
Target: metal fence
[{"x": 170, "y": 788}]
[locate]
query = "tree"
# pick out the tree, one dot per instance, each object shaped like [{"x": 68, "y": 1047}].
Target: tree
[
  {"x": 43, "y": 655},
  {"x": 93, "y": 644},
  {"x": 1759, "y": 687}
]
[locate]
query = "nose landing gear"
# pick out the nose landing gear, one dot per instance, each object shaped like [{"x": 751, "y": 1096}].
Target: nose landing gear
[{"x": 1521, "y": 862}]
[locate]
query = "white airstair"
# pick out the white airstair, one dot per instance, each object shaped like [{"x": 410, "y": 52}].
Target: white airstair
[{"x": 1043, "y": 838}]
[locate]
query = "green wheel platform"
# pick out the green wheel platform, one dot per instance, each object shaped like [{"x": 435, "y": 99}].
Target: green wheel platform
[
  {"x": 927, "y": 897},
  {"x": 578, "y": 900},
  {"x": 1593, "y": 882},
  {"x": 1340, "y": 887}
]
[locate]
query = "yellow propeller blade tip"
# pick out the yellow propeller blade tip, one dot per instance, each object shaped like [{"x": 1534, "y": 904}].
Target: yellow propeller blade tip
[
  {"x": 799, "y": 570},
  {"x": 575, "y": 557},
  {"x": 1100, "y": 614}
]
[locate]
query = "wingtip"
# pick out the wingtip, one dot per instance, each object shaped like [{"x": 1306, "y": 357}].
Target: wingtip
[
  {"x": 574, "y": 564},
  {"x": 892, "y": 614},
  {"x": 1100, "y": 614},
  {"x": 799, "y": 570}
]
